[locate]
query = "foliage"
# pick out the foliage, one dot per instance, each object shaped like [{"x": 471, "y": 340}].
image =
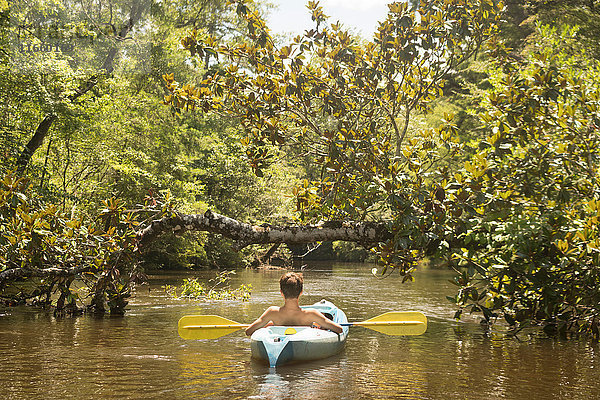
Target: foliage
[
  {"x": 116, "y": 140},
  {"x": 349, "y": 252},
  {"x": 532, "y": 247},
  {"x": 506, "y": 191},
  {"x": 220, "y": 289},
  {"x": 347, "y": 108},
  {"x": 582, "y": 13},
  {"x": 173, "y": 252},
  {"x": 44, "y": 251},
  {"x": 510, "y": 215}
]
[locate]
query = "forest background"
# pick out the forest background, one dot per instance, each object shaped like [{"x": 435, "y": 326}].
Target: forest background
[{"x": 495, "y": 175}]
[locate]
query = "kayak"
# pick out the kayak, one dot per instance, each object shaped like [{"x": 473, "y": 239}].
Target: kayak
[{"x": 280, "y": 345}]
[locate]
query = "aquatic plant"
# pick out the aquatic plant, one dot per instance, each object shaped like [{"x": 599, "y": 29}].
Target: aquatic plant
[{"x": 220, "y": 289}]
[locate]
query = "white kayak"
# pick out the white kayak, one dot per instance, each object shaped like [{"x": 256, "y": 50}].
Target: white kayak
[{"x": 279, "y": 345}]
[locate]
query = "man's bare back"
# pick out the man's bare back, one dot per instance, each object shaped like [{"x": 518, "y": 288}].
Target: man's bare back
[
  {"x": 290, "y": 313},
  {"x": 292, "y": 316}
]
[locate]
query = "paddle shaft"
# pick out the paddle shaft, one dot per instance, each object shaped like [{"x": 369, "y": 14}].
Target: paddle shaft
[
  {"x": 383, "y": 323},
  {"x": 238, "y": 326},
  {"x": 241, "y": 326},
  {"x": 390, "y": 323}
]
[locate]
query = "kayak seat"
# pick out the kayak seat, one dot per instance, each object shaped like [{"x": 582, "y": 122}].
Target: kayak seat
[{"x": 328, "y": 316}]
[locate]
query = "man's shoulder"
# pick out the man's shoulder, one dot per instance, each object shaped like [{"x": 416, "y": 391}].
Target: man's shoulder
[{"x": 312, "y": 311}]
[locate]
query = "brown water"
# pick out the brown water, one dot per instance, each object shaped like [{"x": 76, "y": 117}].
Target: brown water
[{"x": 140, "y": 355}]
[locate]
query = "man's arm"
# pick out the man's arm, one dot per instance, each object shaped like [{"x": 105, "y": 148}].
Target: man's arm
[
  {"x": 261, "y": 321},
  {"x": 325, "y": 322}
]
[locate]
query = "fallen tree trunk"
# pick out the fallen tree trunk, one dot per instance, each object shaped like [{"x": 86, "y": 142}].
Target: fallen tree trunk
[{"x": 365, "y": 233}]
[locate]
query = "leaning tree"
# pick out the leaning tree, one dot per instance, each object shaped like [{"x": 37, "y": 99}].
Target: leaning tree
[
  {"x": 345, "y": 107},
  {"x": 341, "y": 105},
  {"x": 515, "y": 215}
]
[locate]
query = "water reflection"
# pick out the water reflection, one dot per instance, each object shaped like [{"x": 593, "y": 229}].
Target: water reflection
[
  {"x": 141, "y": 356},
  {"x": 313, "y": 380},
  {"x": 212, "y": 369},
  {"x": 273, "y": 387}
]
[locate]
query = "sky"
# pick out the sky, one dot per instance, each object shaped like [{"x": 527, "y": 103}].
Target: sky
[{"x": 360, "y": 15}]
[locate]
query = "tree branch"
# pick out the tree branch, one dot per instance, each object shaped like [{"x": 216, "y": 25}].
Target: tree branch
[{"x": 366, "y": 233}]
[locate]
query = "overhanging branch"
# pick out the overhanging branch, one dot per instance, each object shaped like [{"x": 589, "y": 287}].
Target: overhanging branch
[{"x": 365, "y": 233}]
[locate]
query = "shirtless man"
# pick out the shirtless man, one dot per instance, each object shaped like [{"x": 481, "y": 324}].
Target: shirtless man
[{"x": 291, "y": 313}]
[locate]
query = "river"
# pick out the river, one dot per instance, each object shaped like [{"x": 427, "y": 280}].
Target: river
[{"x": 140, "y": 356}]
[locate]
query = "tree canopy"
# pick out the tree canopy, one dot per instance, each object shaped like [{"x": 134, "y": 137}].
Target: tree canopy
[
  {"x": 347, "y": 108},
  {"x": 506, "y": 209},
  {"x": 110, "y": 146},
  {"x": 505, "y": 193}
]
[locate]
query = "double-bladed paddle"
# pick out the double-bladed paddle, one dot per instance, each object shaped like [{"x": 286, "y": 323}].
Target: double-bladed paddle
[
  {"x": 390, "y": 323},
  {"x": 396, "y": 323}
]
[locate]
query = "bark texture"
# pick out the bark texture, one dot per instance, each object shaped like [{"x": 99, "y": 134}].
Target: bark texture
[{"x": 365, "y": 233}]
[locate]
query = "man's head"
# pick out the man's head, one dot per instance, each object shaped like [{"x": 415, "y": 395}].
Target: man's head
[{"x": 291, "y": 285}]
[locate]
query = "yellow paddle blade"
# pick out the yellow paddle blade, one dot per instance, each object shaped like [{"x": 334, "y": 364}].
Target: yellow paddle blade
[
  {"x": 397, "y": 323},
  {"x": 206, "y": 326}
]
